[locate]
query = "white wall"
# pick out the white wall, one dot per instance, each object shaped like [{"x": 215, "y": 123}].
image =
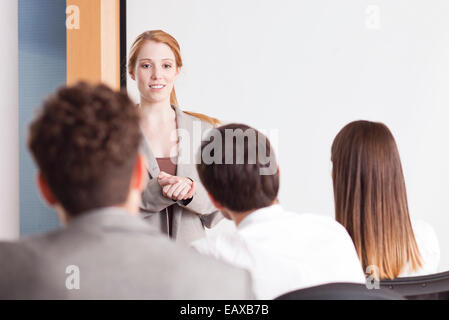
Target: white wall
[
  {"x": 9, "y": 161},
  {"x": 307, "y": 68}
]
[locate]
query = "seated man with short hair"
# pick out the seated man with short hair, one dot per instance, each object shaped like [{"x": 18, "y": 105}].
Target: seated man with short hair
[
  {"x": 284, "y": 251},
  {"x": 85, "y": 142}
]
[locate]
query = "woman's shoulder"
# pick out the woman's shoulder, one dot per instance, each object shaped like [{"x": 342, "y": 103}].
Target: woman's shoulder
[
  {"x": 424, "y": 231},
  {"x": 205, "y": 120},
  {"x": 428, "y": 245}
]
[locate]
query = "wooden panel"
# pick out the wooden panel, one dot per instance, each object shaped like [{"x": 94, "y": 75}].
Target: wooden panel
[
  {"x": 110, "y": 42},
  {"x": 93, "y": 49}
]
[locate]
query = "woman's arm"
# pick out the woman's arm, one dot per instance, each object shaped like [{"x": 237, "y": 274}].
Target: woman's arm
[
  {"x": 177, "y": 188},
  {"x": 153, "y": 199},
  {"x": 201, "y": 205}
]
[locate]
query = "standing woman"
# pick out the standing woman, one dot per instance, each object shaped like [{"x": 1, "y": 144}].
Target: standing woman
[
  {"x": 174, "y": 200},
  {"x": 371, "y": 203}
]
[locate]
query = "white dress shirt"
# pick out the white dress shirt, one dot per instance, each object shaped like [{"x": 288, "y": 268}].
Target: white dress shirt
[
  {"x": 286, "y": 251},
  {"x": 429, "y": 248}
]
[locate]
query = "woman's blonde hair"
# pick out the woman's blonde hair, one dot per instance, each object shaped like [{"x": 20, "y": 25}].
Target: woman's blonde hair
[
  {"x": 371, "y": 200},
  {"x": 163, "y": 37}
]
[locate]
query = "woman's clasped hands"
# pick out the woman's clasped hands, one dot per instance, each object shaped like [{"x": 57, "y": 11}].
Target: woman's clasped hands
[{"x": 175, "y": 187}]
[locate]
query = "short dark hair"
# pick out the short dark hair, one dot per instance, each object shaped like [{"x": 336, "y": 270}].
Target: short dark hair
[
  {"x": 239, "y": 185},
  {"x": 85, "y": 142}
]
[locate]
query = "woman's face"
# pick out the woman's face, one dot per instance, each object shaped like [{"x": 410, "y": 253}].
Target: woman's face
[{"x": 155, "y": 72}]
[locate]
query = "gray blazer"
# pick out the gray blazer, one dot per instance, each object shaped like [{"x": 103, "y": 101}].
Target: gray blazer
[
  {"x": 118, "y": 256},
  {"x": 189, "y": 217}
]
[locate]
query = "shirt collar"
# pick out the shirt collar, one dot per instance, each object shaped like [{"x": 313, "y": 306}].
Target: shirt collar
[{"x": 259, "y": 215}]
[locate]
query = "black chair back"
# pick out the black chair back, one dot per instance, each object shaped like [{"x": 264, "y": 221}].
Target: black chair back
[
  {"x": 341, "y": 291},
  {"x": 430, "y": 287}
]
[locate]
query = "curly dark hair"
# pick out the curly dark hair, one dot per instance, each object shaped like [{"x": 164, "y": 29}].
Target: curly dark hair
[{"x": 85, "y": 142}]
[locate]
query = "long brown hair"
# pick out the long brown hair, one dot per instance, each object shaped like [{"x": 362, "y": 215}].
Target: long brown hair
[
  {"x": 371, "y": 200},
  {"x": 163, "y": 37}
]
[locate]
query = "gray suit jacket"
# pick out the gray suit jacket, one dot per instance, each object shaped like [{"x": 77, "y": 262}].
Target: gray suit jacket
[
  {"x": 189, "y": 218},
  {"x": 118, "y": 256}
]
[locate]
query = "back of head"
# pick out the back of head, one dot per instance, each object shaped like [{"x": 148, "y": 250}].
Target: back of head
[
  {"x": 238, "y": 168},
  {"x": 85, "y": 142},
  {"x": 370, "y": 197}
]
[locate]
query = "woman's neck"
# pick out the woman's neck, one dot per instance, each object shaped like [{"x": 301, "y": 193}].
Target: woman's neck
[{"x": 159, "y": 112}]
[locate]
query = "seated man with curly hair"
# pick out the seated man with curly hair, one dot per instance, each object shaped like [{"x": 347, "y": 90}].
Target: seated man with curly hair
[{"x": 86, "y": 143}]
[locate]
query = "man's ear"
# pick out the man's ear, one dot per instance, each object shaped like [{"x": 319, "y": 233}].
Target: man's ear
[
  {"x": 45, "y": 190},
  {"x": 140, "y": 176},
  {"x": 215, "y": 202},
  {"x": 131, "y": 74}
]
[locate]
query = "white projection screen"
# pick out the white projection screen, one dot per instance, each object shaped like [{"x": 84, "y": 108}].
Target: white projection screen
[{"x": 301, "y": 70}]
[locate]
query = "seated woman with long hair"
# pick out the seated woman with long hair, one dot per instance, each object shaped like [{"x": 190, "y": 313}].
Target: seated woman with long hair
[{"x": 371, "y": 203}]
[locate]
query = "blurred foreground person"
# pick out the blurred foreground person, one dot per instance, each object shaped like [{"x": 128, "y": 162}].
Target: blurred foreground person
[{"x": 85, "y": 142}]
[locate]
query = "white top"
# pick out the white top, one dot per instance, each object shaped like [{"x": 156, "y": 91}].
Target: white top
[
  {"x": 286, "y": 251},
  {"x": 429, "y": 248}
]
